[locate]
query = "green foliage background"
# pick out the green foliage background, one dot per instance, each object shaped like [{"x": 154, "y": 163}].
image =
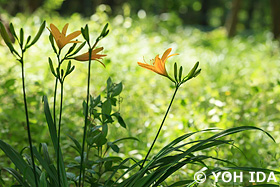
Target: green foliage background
[{"x": 239, "y": 85}]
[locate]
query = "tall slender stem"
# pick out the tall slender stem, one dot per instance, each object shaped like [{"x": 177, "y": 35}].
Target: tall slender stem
[
  {"x": 54, "y": 115},
  {"x": 54, "y": 102},
  {"x": 27, "y": 121},
  {"x": 59, "y": 125},
  {"x": 82, "y": 171},
  {"x": 55, "y": 89},
  {"x": 177, "y": 87}
]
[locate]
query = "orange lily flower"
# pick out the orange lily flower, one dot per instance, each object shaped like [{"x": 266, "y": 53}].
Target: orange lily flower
[
  {"x": 158, "y": 65},
  {"x": 60, "y": 38},
  {"x": 94, "y": 56}
]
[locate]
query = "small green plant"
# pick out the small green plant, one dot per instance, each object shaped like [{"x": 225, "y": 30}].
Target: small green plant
[
  {"x": 97, "y": 162},
  {"x": 24, "y": 45}
]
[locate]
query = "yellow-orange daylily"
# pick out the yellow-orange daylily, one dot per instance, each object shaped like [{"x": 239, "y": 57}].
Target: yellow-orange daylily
[
  {"x": 94, "y": 56},
  {"x": 158, "y": 65},
  {"x": 60, "y": 37}
]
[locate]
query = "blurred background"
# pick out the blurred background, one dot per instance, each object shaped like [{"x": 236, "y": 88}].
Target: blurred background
[
  {"x": 234, "y": 14},
  {"x": 236, "y": 43}
]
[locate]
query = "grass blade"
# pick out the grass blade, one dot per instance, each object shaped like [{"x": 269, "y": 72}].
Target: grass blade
[
  {"x": 17, "y": 176},
  {"x": 53, "y": 134},
  {"x": 16, "y": 158}
]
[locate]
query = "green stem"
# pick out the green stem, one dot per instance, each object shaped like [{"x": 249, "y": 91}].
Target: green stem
[
  {"x": 54, "y": 95},
  {"x": 54, "y": 102},
  {"x": 58, "y": 138},
  {"x": 54, "y": 114},
  {"x": 55, "y": 89},
  {"x": 177, "y": 87},
  {"x": 82, "y": 169},
  {"x": 27, "y": 121}
]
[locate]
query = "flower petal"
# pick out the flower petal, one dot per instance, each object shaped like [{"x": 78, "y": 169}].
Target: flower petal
[
  {"x": 72, "y": 35},
  {"x": 82, "y": 56},
  {"x": 160, "y": 66},
  {"x": 101, "y": 62},
  {"x": 54, "y": 30},
  {"x": 165, "y": 54},
  {"x": 172, "y": 55},
  {"x": 147, "y": 66},
  {"x": 97, "y": 50},
  {"x": 97, "y": 56},
  {"x": 64, "y": 30},
  {"x": 85, "y": 56}
]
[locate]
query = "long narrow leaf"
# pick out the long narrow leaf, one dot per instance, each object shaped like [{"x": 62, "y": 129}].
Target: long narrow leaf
[
  {"x": 53, "y": 134},
  {"x": 16, "y": 158},
  {"x": 43, "y": 180},
  {"x": 17, "y": 176},
  {"x": 78, "y": 145},
  {"x": 45, "y": 165}
]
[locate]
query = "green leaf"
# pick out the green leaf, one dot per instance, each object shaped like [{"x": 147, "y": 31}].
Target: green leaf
[
  {"x": 204, "y": 142},
  {"x": 120, "y": 119},
  {"x": 94, "y": 101},
  {"x": 28, "y": 40},
  {"x": 180, "y": 73},
  {"x": 175, "y": 72},
  {"x": 192, "y": 72},
  {"x": 105, "y": 129},
  {"x": 12, "y": 29},
  {"x": 85, "y": 33},
  {"x": 84, "y": 108},
  {"x": 108, "y": 166},
  {"x": 103, "y": 33},
  {"x": 77, "y": 144},
  {"x": 38, "y": 35},
  {"x": 175, "y": 163},
  {"x": 43, "y": 180},
  {"x": 52, "y": 43},
  {"x": 120, "y": 166},
  {"x": 115, "y": 171},
  {"x": 46, "y": 153},
  {"x": 6, "y": 37},
  {"x": 71, "y": 48},
  {"x": 71, "y": 176},
  {"x": 78, "y": 49},
  {"x": 170, "y": 170},
  {"x": 109, "y": 85},
  {"x": 53, "y": 134},
  {"x": 21, "y": 36},
  {"x": 117, "y": 90},
  {"x": 46, "y": 165},
  {"x": 126, "y": 138},
  {"x": 71, "y": 70},
  {"x": 100, "y": 139},
  {"x": 62, "y": 73},
  {"x": 106, "y": 109},
  {"x": 113, "y": 101},
  {"x": 110, "y": 158},
  {"x": 114, "y": 147},
  {"x": 96, "y": 137},
  {"x": 51, "y": 67},
  {"x": 16, "y": 158},
  {"x": 197, "y": 73},
  {"x": 17, "y": 176},
  {"x": 68, "y": 67},
  {"x": 58, "y": 73}
]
